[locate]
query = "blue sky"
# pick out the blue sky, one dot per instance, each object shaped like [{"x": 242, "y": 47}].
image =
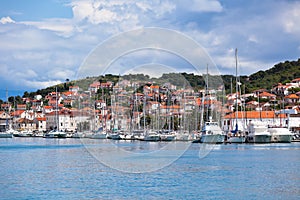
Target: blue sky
[{"x": 44, "y": 42}]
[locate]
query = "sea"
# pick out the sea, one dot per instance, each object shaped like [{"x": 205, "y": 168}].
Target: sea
[{"x": 42, "y": 168}]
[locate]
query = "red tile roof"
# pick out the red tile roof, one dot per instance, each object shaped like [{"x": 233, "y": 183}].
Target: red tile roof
[
  {"x": 255, "y": 115},
  {"x": 292, "y": 96}
]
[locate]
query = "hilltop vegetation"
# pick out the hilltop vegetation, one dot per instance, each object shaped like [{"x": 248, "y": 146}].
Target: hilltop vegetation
[{"x": 281, "y": 73}]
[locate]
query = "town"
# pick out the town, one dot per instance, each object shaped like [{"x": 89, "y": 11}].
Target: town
[{"x": 145, "y": 110}]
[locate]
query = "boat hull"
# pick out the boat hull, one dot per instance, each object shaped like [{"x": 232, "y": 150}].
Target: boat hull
[
  {"x": 212, "y": 139},
  {"x": 281, "y": 138},
  {"x": 167, "y": 137},
  {"x": 6, "y": 135},
  {"x": 55, "y": 134},
  {"x": 280, "y": 135},
  {"x": 236, "y": 139},
  {"x": 258, "y": 139},
  {"x": 153, "y": 138},
  {"x": 99, "y": 136}
]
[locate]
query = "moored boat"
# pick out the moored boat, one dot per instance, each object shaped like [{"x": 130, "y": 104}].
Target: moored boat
[
  {"x": 280, "y": 134},
  {"x": 6, "y": 135},
  {"x": 212, "y": 133},
  {"x": 151, "y": 136},
  {"x": 258, "y": 133},
  {"x": 55, "y": 134}
]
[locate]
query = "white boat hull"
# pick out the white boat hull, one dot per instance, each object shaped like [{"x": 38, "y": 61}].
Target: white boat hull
[
  {"x": 258, "y": 139},
  {"x": 212, "y": 139},
  {"x": 153, "y": 138},
  {"x": 280, "y": 135},
  {"x": 236, "y": 139},
  {"x": 55, "y": 134},
  {"x": 99, "y": 136},
  {"x": 6, "y": 135}
]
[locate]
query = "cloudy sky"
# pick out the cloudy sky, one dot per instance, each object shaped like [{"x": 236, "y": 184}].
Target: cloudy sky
[{"x": 45, "y": 42}]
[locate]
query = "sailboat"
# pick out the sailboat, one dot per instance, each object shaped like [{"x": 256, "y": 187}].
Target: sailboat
[
  {"x": 211, "y": 131},
  {"x": 56, "y": 133},
  {"x": 6, "y": 133},
  {"x": 237, "y": 135}
]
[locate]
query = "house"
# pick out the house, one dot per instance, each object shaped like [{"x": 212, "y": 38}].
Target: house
[
  {"x": 267, "y": 95},
  {"x": 97, "y": 85},
  {"x": 74, "y": 89},
  {"x": 281, "y": 90},
  {"x": 154, "y": 89},
  {"x": 5, "y": 121},
  {"x": 41, "y": 124},
  {"x": 26, "y": 124},
  {"x": 62, "y": 120},
  {"x": 292, "y": 99},
  {"x": 47, "y": 109},
  {"x": 37, "y": 104},
  {"x": 296, "y": 82},
  {"x": 6, "y": 106},
  {"x": 21, "y": 107}
]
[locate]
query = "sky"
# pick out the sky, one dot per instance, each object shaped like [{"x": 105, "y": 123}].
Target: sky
[{"x": 43, "y": 43}]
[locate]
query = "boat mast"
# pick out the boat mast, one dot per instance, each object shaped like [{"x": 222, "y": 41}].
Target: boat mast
[
  {"x": 206, "y": 93},
  {"x": 236, "y": 89},
  {"x": 56, "y": 115}
]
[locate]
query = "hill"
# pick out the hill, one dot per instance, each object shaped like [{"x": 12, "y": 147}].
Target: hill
[{"x": 282, "y": 72}]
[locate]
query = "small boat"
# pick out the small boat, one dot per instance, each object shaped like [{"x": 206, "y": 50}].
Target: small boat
[
  {"x": 185, "y": 136},
  {"x": 258, "y": 133},
  {"x": 127, "y": 136},
  {"x": 24, "y": 133},
  {"x": 6, "y": 135},
  {"x": 237, "y": 139},
  {"x": 114, "y": 136},
  {"x": 280, "y": 134},
  {"x": 167, "y": 137},
  {"x": 78, "y": 135},
  {"x": 151, "y": 136},
  {"x": 55, "y": 134}
]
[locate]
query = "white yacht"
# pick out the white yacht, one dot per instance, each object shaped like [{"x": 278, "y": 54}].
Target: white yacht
[
  {"x": 212, "y": 133},
  {"x": 258, "y": 133},
  {"x": 280, "y": 134}
]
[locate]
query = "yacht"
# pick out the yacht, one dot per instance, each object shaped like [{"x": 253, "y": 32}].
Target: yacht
[
  {"x": 280, "y": 134},
  {"x": 212, "y": 133},
  {"x": 258, "y": 133}
]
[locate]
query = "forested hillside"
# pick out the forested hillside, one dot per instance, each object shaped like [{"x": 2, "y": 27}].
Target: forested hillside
[{"x": 281, "y": 73}]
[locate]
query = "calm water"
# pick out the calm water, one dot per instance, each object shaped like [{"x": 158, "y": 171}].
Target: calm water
[{"x": 38, "y": 168}]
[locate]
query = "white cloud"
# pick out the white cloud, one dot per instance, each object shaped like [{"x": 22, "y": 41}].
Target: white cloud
[
  {"x": 290, "y": 19},
  {"x": 5, "y": 20},
  {"x": 40, "y": 84},
  {"x": 205, "y": 6},
  {"x": 63, "y": 27},
  {"x": 54, "y": 48}
]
